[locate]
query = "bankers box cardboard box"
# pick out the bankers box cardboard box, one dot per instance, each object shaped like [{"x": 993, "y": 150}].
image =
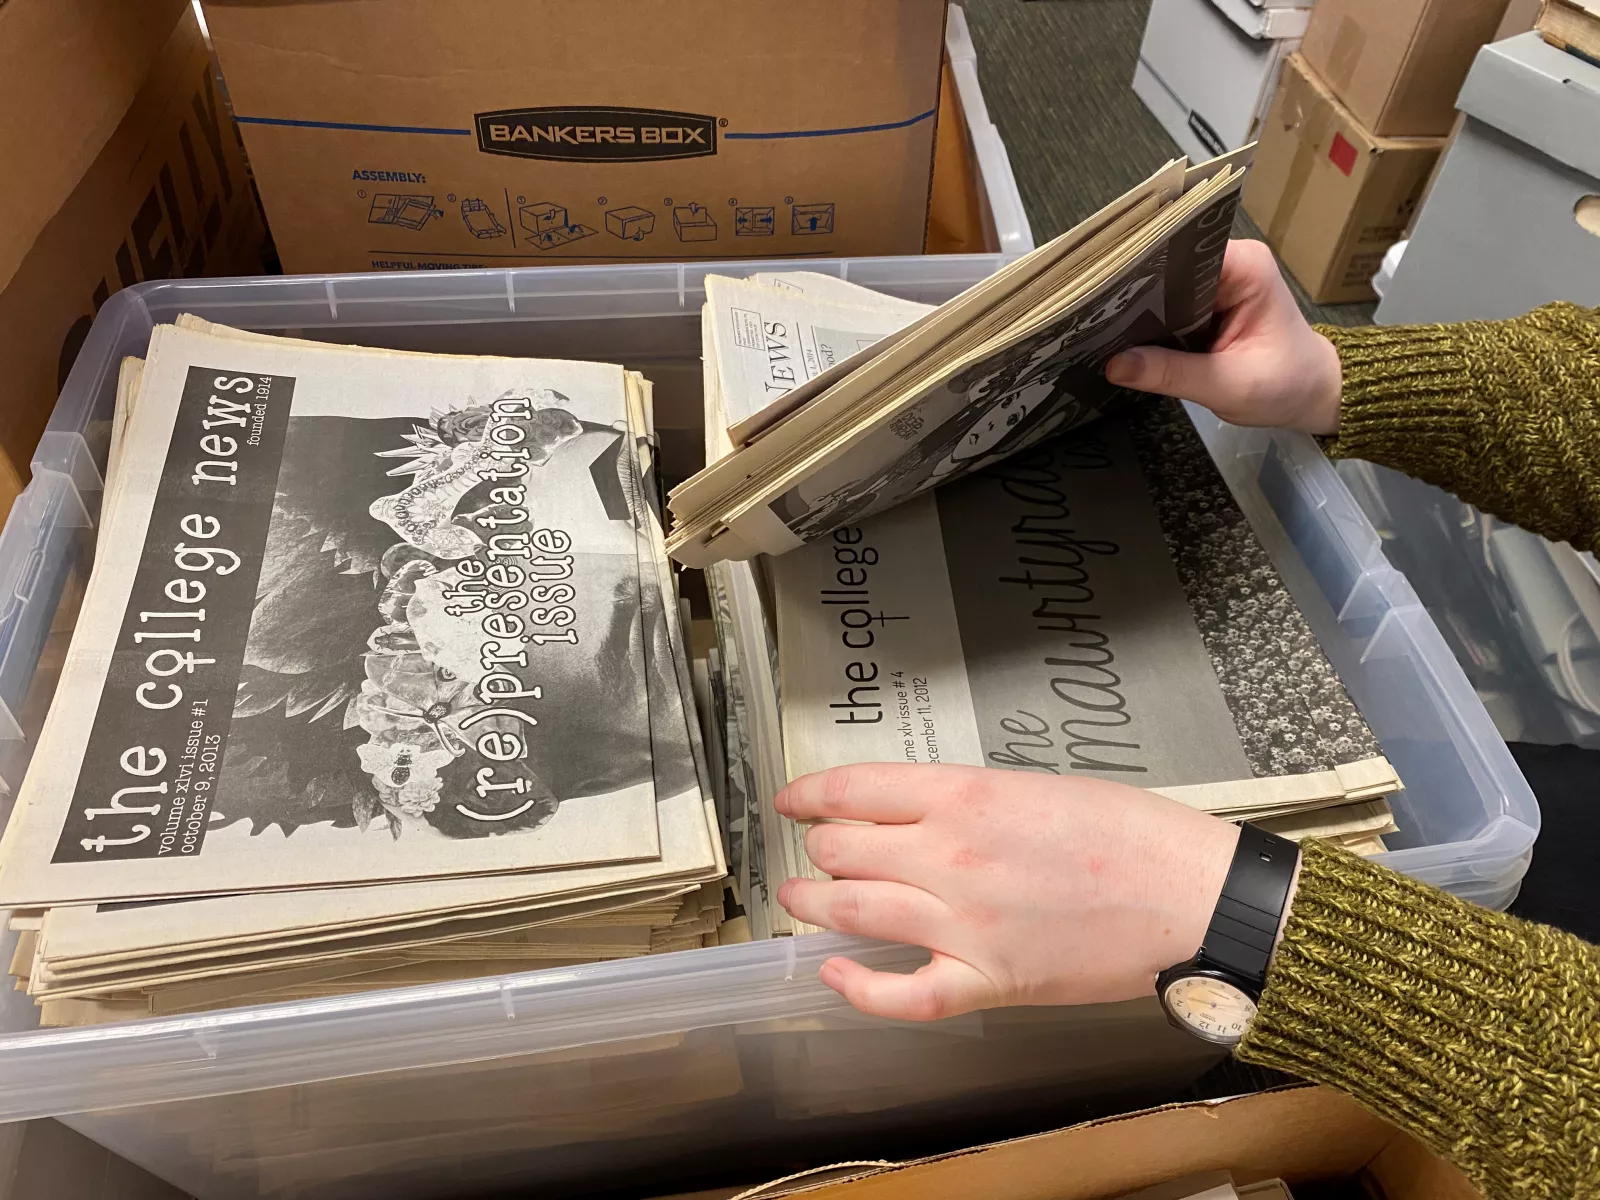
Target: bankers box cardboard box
[
  {"x": 1513, "y": 221},
  {"x": 1208, "y": 72},
  {"x": 403, "y": 134},
  {"x": 1330, "y": 196},
  {"x": 1398, "y": 64},
  {"x": 118, "y": 163}
]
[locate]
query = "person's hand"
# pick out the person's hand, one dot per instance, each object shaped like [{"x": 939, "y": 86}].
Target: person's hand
[
  {"x": 1028, "y": 889},
  {"x": 1268, "y": 366}
]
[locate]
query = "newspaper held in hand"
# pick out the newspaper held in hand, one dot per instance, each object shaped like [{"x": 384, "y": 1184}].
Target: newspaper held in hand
[
  {"x": 1031, "y": 618},
  {"x": 1005, "y": 365}
]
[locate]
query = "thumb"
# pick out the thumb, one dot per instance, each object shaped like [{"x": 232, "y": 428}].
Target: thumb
[
  {"x": 1208, "y": 379},
  {"x": 945, "y": 987}
]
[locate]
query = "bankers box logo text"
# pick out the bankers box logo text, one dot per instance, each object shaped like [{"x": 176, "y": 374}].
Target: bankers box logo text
[{"x": 596, "y": 134}]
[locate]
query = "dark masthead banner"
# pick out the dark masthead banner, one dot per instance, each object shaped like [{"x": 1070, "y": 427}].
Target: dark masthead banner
[{"x": 150, "y": 772}]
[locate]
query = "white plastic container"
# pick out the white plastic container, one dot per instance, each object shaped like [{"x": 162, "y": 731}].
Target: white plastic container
[
  {"x": 1382, "y": 281},
  {"x": 1208, "y": 69},
  {"x": 412, "y": 1093},
  {"x": 1521, "y": 613},
  {"x": 997, "y": 186}
]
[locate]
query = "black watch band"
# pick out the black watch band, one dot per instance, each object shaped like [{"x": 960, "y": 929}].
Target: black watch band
[{"x": 1244, "y": 926}]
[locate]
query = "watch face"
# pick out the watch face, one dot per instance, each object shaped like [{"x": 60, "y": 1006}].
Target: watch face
[{"x": 1210, "y": 1008}]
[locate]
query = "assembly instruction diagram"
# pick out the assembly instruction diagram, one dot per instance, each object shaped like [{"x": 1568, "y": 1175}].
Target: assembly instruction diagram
[
  {"x": 755, "y": 221},
  {"x": 630, "y": 223},
  {"x": 480, "y": 219},
  {"x": 811, "y": 219},
  {"x": 694, "y": 223},
  {"x": 406, "y": 212},
  {"x": 547, "y": 225}
]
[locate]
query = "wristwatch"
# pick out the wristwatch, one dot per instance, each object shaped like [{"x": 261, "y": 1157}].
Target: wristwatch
[{"x": 1214, "y": 994}]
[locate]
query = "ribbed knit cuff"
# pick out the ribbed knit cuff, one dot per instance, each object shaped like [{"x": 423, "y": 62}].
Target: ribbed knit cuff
[
  {"x": 1505, "y": 414},
  {"x": 1409, "y": 397},
  {"x": 1477, "y": 1032}
]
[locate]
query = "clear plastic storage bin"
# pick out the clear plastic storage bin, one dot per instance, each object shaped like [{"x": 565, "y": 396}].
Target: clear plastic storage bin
[
  {"x": 665, "y": 1069},
  {"x": 1521, "y": 613}
]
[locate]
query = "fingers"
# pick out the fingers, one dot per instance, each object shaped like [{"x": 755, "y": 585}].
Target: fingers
[
  {"x": 1208, "y": 379},
  {"x": 946, "y": 987},
  {"x": 890, "y": 912},
  {"x": 886, "y": 793},
  {"x": 886, "y": 852},
  {"x": 1250, "y": 279}
]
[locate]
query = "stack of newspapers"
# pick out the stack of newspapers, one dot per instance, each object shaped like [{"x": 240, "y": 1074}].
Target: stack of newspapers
[
  {"x": 379, "y": 679},
  {"x": 940, "y": 536}
]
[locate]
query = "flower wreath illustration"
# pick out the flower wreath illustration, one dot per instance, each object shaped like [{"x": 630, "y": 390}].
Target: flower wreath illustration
[{"x": 423, "y": 721}]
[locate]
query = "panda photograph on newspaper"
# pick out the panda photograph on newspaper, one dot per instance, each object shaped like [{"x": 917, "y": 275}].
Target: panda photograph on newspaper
[{"x": 1045, "y": 384}]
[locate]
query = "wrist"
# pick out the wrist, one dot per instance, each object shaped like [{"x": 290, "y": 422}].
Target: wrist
[
  {"x": 1215, "y": 993},
  {"x": 1328, "y": 393},
  {"x": 1192, "y": 891}
]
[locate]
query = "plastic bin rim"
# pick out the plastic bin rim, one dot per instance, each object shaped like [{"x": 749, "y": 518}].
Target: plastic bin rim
[
  {"x": 191, "y": 1057},
  {"x": 688, "y": 275}
]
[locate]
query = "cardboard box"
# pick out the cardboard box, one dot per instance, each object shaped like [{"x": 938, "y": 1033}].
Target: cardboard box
[
  {"x": 1398, "y": 64},
  {"x": 44, "y": 1160},
  {"x": 69, "y": 69},
  {"x": 588, "y": 132},
  {"x": 957, "y": 222},
  {"x": 1208, "y": 73},
  {"x": 167, "y": 194},
  {"x": 1513, "y": 220},
  {"x": 1299, "y": 1135},
  {"x": 1331, "y": 197}
]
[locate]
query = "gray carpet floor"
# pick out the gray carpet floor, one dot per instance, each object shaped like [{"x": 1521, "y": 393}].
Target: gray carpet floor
[{"x": 1056, "y": 76}]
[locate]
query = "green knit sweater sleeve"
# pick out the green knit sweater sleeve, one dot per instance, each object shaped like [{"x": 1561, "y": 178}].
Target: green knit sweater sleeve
[
  {"x": 1475, "y": 1031},
  {"x": 1505, "y": 414}
]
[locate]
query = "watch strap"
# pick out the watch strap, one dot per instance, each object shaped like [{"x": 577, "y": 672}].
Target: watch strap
[{"x": 1244, "y": 926}]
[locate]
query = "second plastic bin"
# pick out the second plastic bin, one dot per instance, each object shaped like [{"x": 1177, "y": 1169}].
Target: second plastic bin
[{"x": 657, "y": 1069}]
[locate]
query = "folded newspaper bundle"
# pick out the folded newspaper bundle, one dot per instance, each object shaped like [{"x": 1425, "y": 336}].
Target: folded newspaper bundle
[
  {"x": 827, "y": 431},
  {"x": 1094, "y": 604},
  {"x": 379, "y": 678}
]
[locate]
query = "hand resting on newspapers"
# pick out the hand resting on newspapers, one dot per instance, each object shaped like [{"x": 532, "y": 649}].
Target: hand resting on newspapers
[
  {"x": 1036, "y": 889},
  {"x": 1028, "y": 889}
]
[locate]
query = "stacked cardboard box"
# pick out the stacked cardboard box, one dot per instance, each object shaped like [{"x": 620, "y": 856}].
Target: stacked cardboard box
[
  {"x": 44, "y": 1160},
  {"x": 119, "y": 163},
  {"x": 1355, "y": 131}
]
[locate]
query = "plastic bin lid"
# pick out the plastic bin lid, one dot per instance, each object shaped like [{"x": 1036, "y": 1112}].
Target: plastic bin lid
[{"x": 1541, "y": 96}]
